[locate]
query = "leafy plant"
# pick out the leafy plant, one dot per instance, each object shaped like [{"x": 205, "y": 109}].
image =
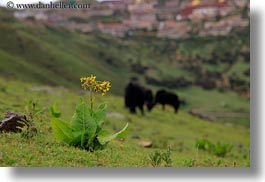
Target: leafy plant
[
  {"x": 32, "y": 107},
  {"x": 222, "y": 149},
  {"x": 54, "y": 110},
  {"x": 202, "y": 144},
  {"x": 217, "y": 149},
  {"x": 189, "y": 162},
  {"x": 166, "y": 156},
  {"x": 155, "y": 158},
  {"x": 28, "y": 129},
  {"x": 85, "y": 129},
  {"x": 158, "y": 157}
]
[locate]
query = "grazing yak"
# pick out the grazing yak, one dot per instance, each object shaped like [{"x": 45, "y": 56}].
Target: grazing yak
[
  {"x": 137, "y": 96},
  {"x": 163, "y": 97}
]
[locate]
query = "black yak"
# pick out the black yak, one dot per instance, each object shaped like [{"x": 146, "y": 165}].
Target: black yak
[
  {"x": 137, "y": 96},
  {"x": 163, "y": 97}
]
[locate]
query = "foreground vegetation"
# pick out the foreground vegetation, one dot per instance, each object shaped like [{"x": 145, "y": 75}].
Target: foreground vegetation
[{"x": 175, "y": 137}]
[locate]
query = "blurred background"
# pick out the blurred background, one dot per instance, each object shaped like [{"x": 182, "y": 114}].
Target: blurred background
[{"x": 197, "y": 48}]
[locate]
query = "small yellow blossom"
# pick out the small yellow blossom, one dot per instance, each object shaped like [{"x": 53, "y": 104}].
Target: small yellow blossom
[
  {"x": 88, "y": 81},
  {"x": 96, "y": 86},
  {"x": 102, "y": 87},
  {"x": 93, "y": 85}
]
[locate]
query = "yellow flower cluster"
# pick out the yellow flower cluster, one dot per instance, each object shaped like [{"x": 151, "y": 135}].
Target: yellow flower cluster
[
  {"x": 88, "y": 81},
  {"x": 102, "y": 87},
  {"x": 97, "y": 86}
]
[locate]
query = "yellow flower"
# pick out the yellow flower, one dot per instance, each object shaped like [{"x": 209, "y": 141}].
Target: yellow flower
[
  {"x": 97, "y": 86},
  {"x": 82, "y": 79},
  {"x": 105, "y": 87},
  {"x": 87, "y": 81},
  {"x": 92, "y": 79}
]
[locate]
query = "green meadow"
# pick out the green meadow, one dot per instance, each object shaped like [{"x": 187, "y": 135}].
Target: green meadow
[{"x": 176, "y": 133}]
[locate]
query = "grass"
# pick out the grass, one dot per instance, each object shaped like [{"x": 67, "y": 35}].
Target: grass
[
  {"x": 226, "y": 101},
  {"x": 164, "y": 128},
  {"x": 41, "y": 51}
]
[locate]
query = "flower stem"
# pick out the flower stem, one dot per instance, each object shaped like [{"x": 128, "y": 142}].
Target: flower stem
[{"x": 91, "y": 98}]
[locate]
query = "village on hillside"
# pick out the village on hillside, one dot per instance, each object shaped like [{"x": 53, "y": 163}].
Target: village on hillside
[{"x": 160, "y": 18}]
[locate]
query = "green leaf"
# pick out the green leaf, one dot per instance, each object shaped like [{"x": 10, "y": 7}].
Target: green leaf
[
  {"x": 102, "y": 106},
  {"x": 87, "y": 139},
  {"x": 103, "y": 133},
  {"x": 55, "y": 111},
  {"x": 82, "y": 119},
  {"x": 77, "y": 139},
  {"x": 84, "y": 125},
  {"x": 61, "y": 130},
  {"x": 104, "y": 137},
  {"x": 83, "y": 139},
  {"x": 100, "y": 114}
]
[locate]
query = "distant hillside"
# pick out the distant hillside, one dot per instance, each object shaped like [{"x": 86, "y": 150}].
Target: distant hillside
[
  {"x": 57, "y": 56},
  {"x": 52, "y": 55}
]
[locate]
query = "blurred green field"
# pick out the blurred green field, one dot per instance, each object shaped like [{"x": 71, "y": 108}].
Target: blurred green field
[
  {"x": 56, "y": 56},
  {"x": 164, "y": 128}
]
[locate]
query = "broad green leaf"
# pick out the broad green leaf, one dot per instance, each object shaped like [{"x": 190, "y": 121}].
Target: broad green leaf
[
  {"x": 87, "y": 139},
  {"x": 61, "y": 130},
  {"x": 82, "y": 119},
  {"x": 104, "y": 137},
  {"x": 103, "y": 133},
  {"x": 77, "y": 138},
  {"x": 100, "y": 114},
  {"x": 90, "y": 138},
  {"x": 83, "y": 139}
]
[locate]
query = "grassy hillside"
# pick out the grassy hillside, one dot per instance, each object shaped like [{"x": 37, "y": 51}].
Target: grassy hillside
[
  {"x": 164, "y": 128},
  {"x": 50, "y": 56},
  {"x": 56, "y": 56}
]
